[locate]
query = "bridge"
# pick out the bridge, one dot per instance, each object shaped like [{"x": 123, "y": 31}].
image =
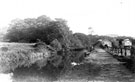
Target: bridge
[
  {"x": 123, "y": 50},
  {"x": 100, "y": 56},
  {"x": 122, "y": 54},
  {"x": 103, "y": 57},
  {"x": 119, "y": 54}
]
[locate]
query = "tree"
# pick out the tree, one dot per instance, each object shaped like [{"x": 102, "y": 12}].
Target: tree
[
  {"x": 90, "y": 30},
  {"x": 83, "y": 39},
  {"x": 54, "y": 33},
  {"x": 25, "y": 30}
]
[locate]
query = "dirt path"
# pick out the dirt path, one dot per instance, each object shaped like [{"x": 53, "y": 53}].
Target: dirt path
[{"x": 100, "y": 56}]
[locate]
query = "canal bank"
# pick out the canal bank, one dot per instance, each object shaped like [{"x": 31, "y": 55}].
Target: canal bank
[
  {"x": 100, "y": 67},
  {"x": 111, "y": 68},
  {"x": 128, "y": 62}
]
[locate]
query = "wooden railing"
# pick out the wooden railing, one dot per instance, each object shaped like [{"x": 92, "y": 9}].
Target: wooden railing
[{"x": 122, "y": 52}]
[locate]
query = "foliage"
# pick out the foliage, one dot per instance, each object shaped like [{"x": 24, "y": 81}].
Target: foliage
[
  {"x": 84, "y": 39},
  {"x": 93, "y": 39},
  {"x": 22, "y": 56},
  {"x": 55, "y": 33},
  {"x": 56, "y": 49}
]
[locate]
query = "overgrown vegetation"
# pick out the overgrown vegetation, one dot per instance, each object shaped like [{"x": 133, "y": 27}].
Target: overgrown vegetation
[
  {"x": 55, "y": 44},
  {"x": 55, "y": 47},
  {"x": 21, "y": 55}
]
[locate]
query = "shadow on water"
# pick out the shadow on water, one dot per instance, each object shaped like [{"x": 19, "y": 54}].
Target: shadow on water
[
  {"x": 79, "y": 73},
  {"x": 128, "y": 63},
  {"x": 50, "y": 73},
  {"x": 34, "y": 74}
]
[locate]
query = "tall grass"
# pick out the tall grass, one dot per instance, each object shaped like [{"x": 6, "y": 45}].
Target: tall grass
[{"x": 14, "y": 56}]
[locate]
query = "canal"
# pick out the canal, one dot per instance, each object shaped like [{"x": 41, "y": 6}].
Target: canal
[{"x": 99, "y": 67}]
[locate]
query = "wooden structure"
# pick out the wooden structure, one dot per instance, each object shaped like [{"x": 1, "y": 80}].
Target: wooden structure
[
  {"x": 103, "y": 43},
  {"x": 121, "y": 49},
  {"x": 125, "y": 51}
]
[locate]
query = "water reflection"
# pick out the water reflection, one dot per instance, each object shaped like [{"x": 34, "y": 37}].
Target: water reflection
[{"x": 81, "y": 73}]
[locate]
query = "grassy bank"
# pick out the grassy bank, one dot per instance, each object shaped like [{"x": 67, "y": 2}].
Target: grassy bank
[{"x": 17, "y": 55}]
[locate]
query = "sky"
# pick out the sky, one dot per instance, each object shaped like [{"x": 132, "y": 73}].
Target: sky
[{"x": 103, "y": 16}]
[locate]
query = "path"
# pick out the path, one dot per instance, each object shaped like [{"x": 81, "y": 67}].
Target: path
[
  {"x": 110, "y": 68},
  {"x": 100, "y": 56}
]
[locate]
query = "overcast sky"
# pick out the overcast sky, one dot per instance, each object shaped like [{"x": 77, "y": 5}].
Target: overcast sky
[{"x": 104, "y": 16}]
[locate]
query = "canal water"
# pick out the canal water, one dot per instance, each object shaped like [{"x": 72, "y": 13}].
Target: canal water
[
  {"x": 96, "y": 73},
  {"x": 101, "y": 67},
  {"x": 115, "y": 72}
]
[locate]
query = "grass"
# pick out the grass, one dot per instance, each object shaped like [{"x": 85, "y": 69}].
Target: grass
[{"x": 17, "y": 55}]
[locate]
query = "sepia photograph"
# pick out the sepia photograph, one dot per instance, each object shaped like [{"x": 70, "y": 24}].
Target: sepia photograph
[{"x": 67, "y": 40}]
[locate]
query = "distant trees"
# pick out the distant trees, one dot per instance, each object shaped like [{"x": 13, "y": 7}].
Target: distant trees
[
  {"x": 84, "y": 39},
  {"x": 43, "y": 28}
]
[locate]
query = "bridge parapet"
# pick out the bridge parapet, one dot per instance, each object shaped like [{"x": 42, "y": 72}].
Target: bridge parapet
[{"x": 126, "y": 55}]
